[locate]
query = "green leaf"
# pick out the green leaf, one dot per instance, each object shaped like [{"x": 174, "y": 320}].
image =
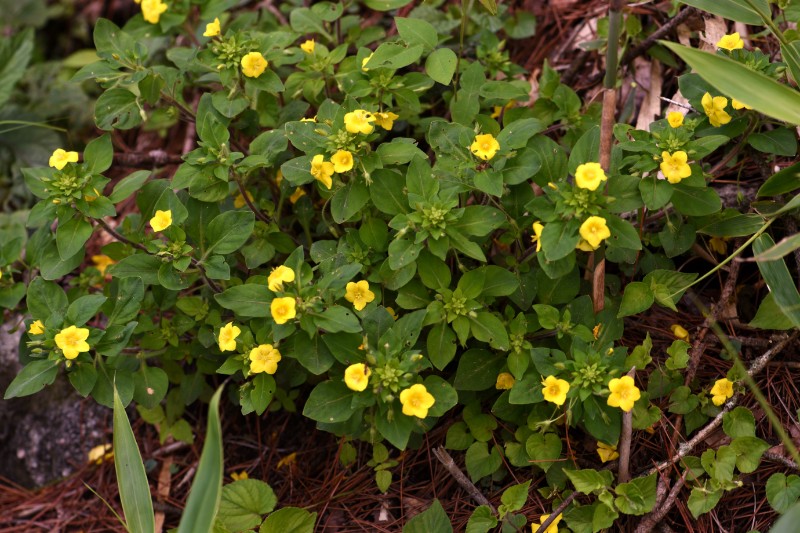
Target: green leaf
[
  {"x": 779, "y": 280},
  {"x": 748, "y": 453},
  {"x": 46, "y": 299},
  {"x": 783, "y": 248},
  {"x": 99, "y": 154},
  {"x": 637, "y": 298},
  {"x": 248, "y": 300},
  {"x": 71, "y": 236},
  {"x": 243, "y": 502},
  {"x": 515, "y": 497},
  {"x": 117, "y": 109},
  {"x": 786, "y": 180},
  {"x": 735, "y": 80},
  {"x": 560, "y": 238},
  {"x": 668, "y": 286},
  {"x": 134, "y": 490},
  {"x": 228, "y": 231},
  {"x": 433, "y": 520},
  {"x": 150, "y": 386},
  {"x": 15, "y": 54},
  {"x": 142, "y": 266},
  {"x": 444, "y": 393},
  {"x": 702, "y": 500},
  {"x": 480, "y": 462},
  {"x": 770, "y": 316},
  {"x": 337, "y": 318},
  {"x": 589, "y": 480},
  {"x": 739, "y": 422},
  {"x": 394, "y": 56},
  {"x": 738, "y": 225},
  {"x": 486, "y": 327},
  {"x": 478, "y": 369},
  {"x": 288, "y": 519},
  {"x": 204, "y": 496},
  {"x": 482, "y": 520},
  {"x": 385, "y": 5},
  {"x": 348, "y": 201},
  {"x": 695, "y": 202},
  {"x": 32, "y": 378},
  {"x": 441, "y": 345},
  {"x": 441, "y": 65},
  {"x": 329, "y": 402},
  {"x": 637, "y": 497},
  {"x": 417, "y": 31},
  {"x": 83, "y": 377},
  {"x": 738, "y": 10},
  {"x": 543, "y": 449},
  {"x": 780, "y": 141},
  {"x": 788, "y": 522},
  {"x": 129, "y": 185},
  {"x": 782, "y": 491},
  {"x": 262, "y": 392},
  {"x": 84, "y": 308}
]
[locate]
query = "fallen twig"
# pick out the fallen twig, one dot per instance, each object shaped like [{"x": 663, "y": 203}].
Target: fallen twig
[{"x": 448, "y": 462}]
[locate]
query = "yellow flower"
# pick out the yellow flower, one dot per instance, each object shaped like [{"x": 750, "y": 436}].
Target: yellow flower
[
  {"x": 278, "y": 276},
  {"x": 212, "y": 28},
  {"x": 289, "y": 460},
  {"x": 589, "y": 176},
  {"x": 264, "y": 358},
  {"x": 504, "y": 381},
  {"x": 538, "y": 227},
  {"x": 359, "y": 294},
  {"x": 736, "y": 104},
  {"x": 731, "y": 42},
  {"x": 356, "y": 377},
  {"x": 359, "y": 121},
  {"x": 161, "y": 221},
  {"x": 102, "y": 262},
  {"x": 555, "y": 390},
  {"x": 322, "y": 170},
  {"x": 721, "y": 391},
  {"x": 152, "y": 9},
  {"x": 594, "y": 231},
  {"x": 392, "y": 313},
  {"x": 607, "y": 452},
  {"x": 552, "y": 528},
  {"x": 386, "y": 120},
  {"x": 227, "y": 337},
  {"x": 584, "y": 246},
  {"x": 623, "y": 393},
  {"x": 60, "y": 158},
  {"x": 37, "y": 328},
  {"x": 714, "y": 109},
  {"x": 499, "y": 110},
  {"x": 100, "y": 453},
  {"x": 484, "y": 146},
  {"x": 283, "y": 309},
  {"x": 296, "y": 195},
  {"x": 674, "y": 167},
  {"x": 308, "y": 46},
  {"x": 364, "y": 62},
  {"x": 240, "y": 200},
  {"x": 719, "y": 245},
  {"x": 679, "y": 332},
  {"x": 278, "y": 177},
  {"x": 237, "y": 476},
  {"x": 72, "y": 341},
  {"x": 342, "y": 161},
  {"x": 675, "y": 119},
  {"x": 254, "y": 64},
  {"x": 312, "y": 119},
  {"x": 416, "y": 401}
]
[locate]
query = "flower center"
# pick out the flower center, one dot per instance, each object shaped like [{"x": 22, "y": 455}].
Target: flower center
[
  {"x": 485, "y": 146},
  {"x": 624, "y": 394},
  {"x": 554, "y": 390}
]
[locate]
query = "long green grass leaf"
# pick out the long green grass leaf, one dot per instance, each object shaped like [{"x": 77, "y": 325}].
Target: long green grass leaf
[
  {"x": 737, "y": 10},
  {"x": 134, "y": 491},
  {"x": 779, "y": 280},
  {"x": 783, "y": 248},
  {"x": 204, "y": 496},
  {"x": 734, "y": 80}
]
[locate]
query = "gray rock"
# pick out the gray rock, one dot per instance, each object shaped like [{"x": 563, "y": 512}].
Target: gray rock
[{"x": 46, "y": 436}]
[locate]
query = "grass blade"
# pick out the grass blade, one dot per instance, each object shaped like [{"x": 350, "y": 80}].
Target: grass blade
[
  {"x": 134, "y": 491},
  {"x": 204, "y": 496},
  {"x": 779, "y": 280},
  {"x": 734, "y": 80}
]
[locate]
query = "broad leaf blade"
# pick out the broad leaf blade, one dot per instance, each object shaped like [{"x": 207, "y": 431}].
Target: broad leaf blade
[
  {"x": 134, "y": 490},
  {"x": 204, "y": 496},
  {"x": 779, "y": 280},
  {"x": 737, "y": 81}
]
